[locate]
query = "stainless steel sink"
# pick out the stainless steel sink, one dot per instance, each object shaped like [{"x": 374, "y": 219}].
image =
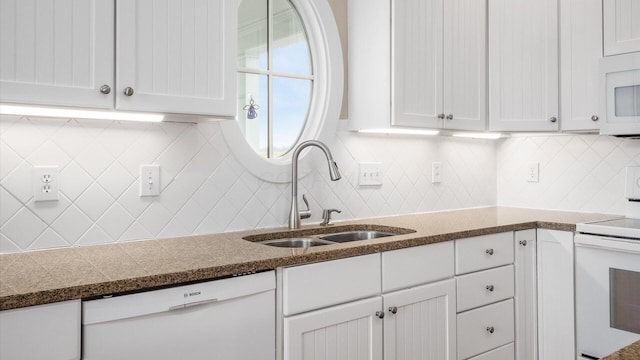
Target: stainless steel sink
[
  {"x": 348, "y": 236},
  {"x": 296, "y": 242}
]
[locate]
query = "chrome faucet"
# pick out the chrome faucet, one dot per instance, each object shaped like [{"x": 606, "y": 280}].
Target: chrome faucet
[{"x": 334, "y": 173}]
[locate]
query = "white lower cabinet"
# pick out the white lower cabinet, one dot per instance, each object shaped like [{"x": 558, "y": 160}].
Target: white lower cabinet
[
  {"x": 501, "y": 353},
  {"x": 420, "y": 322},
  {"x": 485, "y": 328},
  {"x": 556, "y": 321},
  {"x": 349, "y": 331},
  {"x": 526, "y": 295},
  {"x": 42, "y": 332}
]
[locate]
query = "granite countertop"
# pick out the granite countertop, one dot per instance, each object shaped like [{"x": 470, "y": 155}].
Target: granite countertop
[
  {"x": 631, "y": 352},
  {"x": 46, "y": 276}
]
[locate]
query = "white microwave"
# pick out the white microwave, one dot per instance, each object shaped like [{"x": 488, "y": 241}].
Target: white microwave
[{"x": 620, "y": 99}]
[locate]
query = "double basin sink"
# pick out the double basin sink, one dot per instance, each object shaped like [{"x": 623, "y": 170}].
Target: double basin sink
[{"x": 319, "y": 237}]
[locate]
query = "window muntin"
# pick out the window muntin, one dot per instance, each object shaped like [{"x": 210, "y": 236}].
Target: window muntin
[{"x": 279, "y": 81}]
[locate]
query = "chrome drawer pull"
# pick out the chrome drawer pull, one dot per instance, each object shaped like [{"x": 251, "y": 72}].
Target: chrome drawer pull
[
  {"x": 380, "y": 314},
  {"x": 490, "y": 288},
  {"x": 490, "y": 329},
  {"x": 489, "y": 251},
  {"x": 523, "y": 242},
  {"x": 393, "y": 309}
]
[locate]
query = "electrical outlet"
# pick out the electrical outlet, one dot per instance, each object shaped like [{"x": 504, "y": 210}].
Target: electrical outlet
[
  {"x": 371, "y": 174},
  {"x": 533, "y": 172},
  {"x": 45, "y": 183},
  {"x": 149, "y": 180},
  {"x": 436, "y": 172}
]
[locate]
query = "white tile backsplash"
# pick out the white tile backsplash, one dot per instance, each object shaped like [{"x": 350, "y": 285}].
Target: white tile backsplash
[
  {"x": 205, "y": 188},
  {"x": 577, "y": 172}
]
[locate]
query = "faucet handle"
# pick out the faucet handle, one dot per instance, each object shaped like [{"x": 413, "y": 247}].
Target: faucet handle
[
  {"x": 305, "y": 214},
  {"x": 326, "y": 216}
]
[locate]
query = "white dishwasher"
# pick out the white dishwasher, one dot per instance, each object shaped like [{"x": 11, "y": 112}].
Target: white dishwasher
[{"x": 226, "y": 319}]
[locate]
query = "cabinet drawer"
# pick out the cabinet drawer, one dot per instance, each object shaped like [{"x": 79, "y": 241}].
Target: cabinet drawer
[
  {"x": 484, "y": 252},
  {"x": 474, "y": 336},
  {"x": 315, "y": 286},
  {"x": 502, "y": 353},
  {"x": 416, "y": 265},
  {"x": 484, "y": 287}
]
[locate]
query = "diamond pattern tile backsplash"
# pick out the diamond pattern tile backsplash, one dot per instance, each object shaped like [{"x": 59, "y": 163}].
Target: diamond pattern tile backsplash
[
  {"x": 579, "y": 172},
  {"x": 205, "y": 189}
]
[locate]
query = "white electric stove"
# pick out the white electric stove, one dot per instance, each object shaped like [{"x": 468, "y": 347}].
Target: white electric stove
[{"x": 607, "y": 271}]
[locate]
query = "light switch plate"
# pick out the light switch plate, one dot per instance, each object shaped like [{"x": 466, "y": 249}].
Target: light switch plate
[
  {"x": 149, "y": 180},
  {"x": 45, "y": 183},
  {"x": 370, "y": 174}
]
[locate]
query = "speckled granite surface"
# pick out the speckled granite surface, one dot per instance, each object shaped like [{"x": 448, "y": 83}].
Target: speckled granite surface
[
  {"x": 46, "y": 276},
  {"x": 631, "y": 352}
]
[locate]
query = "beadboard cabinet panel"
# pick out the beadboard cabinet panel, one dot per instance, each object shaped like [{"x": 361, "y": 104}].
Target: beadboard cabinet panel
[
  {"x": 177, "y": 57},
  {"x": 417, "y": 61},
  {"x": 465, "y": 62},
  {"x": 57, "y": 52},
  {"x": 621, "y": 26},
  {"x": 581, "y": 51},
  {"x": 523, "y": 65}
]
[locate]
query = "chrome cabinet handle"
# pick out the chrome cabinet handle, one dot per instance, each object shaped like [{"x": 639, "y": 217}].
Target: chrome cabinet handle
[
  {"x": 523, "y": 242},
  {"x": 440, "y": 116},
  {"x": 450, "y": 117},
  {"x": 595, "y": 118},
  {"x": 128, "y": 91},
  {"x": 380, "y": 314},
  {"x": 489, "y": 251},
  {"x": 393, "y": 309},
  {"x": 490, "y": 329},
  {"x": 553, "y": 119},
  {"x": 105, "y": 89},
  {"x": 489, "y": 287}
]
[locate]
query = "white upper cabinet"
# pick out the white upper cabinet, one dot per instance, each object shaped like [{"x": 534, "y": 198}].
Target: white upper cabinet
[
  {"x": 439, "y": 63},
  {"x": 161, "y": 56},
  {"x": 523, "y": 65},
  {"x": 57, "y": 52},
  {"x": 176, "y": 56},
  {"x": 621, "y": 26},
  {"x": 580, "y": 53},
  {"x": 429, "y": 66}
]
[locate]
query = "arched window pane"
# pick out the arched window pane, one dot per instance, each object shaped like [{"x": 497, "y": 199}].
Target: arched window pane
[
  {"x": 290, "y": 110},
  {"x": 255, "y": 130},
  {"x": 290, "y": 45},
  {"x": 253, "y": 34}
]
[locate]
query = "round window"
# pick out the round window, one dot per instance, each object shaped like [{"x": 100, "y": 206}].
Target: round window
[
  {"x": 289, "y": 77},
  {"x": 275, "y": 77}
]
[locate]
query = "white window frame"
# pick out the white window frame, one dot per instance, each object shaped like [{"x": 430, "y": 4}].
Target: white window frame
[{"x": 324, "y": 110}]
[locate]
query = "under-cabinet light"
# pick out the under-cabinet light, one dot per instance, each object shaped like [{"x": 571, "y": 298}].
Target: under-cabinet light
[
  {"x": 401, "y": 131},
  {"x": 78, "y": 113},
  {"x": 492, "y": 136}
]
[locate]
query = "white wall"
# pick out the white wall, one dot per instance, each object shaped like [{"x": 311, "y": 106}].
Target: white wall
[
  {"x": 204, "y": 188},
  {"x": 580, "y": 172}
]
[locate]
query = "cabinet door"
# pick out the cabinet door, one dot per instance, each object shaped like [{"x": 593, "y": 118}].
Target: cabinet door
[
  {"x": 57, "y": 52},
  {"x": 621, "y": 29},
  {"x": 555, "y": 295},
  {"x": 177, "y": 56},
  {"x": 465, "y": 62},
  {"x": 523, "y": 65},
  {"x": 581, "y": 51},
  {"x": 50, "y": 331},
  {"x": 351, "y": 331},
  {"x": 417, "y": 71},
  {"x": 424, "y": 323},
  {"x": 526, "y": 297}
]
